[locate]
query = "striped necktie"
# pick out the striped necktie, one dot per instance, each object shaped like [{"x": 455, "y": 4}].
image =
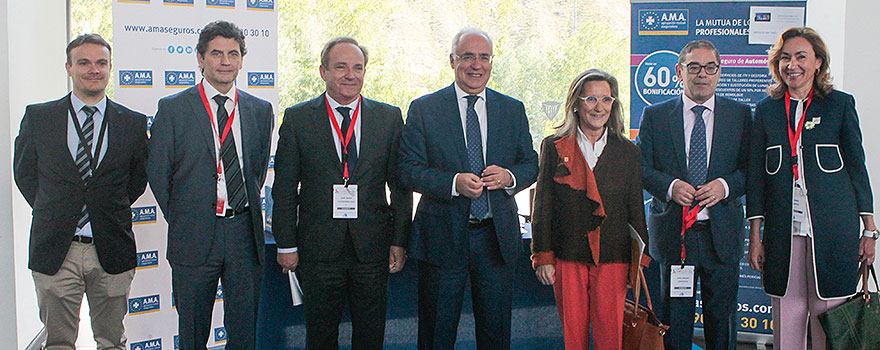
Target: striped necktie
[
  {"x": 235, "y": 192},
  {"x": 82, "y": 157}
]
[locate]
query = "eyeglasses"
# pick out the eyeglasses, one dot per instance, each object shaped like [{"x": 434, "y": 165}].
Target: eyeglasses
[
  {"x": 469, "y": 58},
  {"x": 694, "y": 68},
  {"x": 591, "y": 101}
]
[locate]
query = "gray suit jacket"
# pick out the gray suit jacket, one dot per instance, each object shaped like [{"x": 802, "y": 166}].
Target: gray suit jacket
[
  {"x": 306, "y": 158},
  {"x": 182, "y": 170}
]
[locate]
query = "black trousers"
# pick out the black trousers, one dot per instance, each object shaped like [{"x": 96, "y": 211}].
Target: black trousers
[
  {"x": 719, "y": 284},
  {"x": 326, "y": 288},
  {"x": 233, "y": 261}
]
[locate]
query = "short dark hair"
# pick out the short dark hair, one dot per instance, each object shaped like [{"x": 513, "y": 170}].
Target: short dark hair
[
  {"x": 325, "y": 52},
  {"x": 698, "y": 44},
  {"x": 220, "y": 28},
  {"x": 83, "y": 39}
]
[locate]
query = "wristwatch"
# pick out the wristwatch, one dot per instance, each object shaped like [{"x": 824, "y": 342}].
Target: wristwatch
[{"x": 873, "y": 234}]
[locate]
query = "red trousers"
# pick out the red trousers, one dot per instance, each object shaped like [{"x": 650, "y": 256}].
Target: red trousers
[{"x": 591, "y": 294}]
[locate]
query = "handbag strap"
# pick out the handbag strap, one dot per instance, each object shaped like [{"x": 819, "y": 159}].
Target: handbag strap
[
  {"x": 866, "y": 270},
  {"x": 645, "y": 285}
]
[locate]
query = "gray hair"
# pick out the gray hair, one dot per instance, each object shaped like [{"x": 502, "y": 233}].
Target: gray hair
[
  {"x": 698, "y": 44},
  {"x": 465, "y": 31}
]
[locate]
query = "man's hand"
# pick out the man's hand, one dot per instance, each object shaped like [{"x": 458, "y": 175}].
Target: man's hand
[
  {"x": 396, "y": 259},
  {"x": 683, "y": 193},
  {"x": 496, "y": 177},
  {"x": 710, "y": 193},
  {"x": 468, "y": 185},
  {"x": 546, "y": 274},
  {"x": 756, "y": 255},
  {"x": 288, "y": 261},
  {"x": 866, "y": 250}
]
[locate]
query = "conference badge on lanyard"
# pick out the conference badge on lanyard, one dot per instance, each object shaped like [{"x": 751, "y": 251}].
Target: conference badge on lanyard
[
  {"x": 344, "y": 195},
  {"x": 221, "y": 136},
  {"x": 681, "y": 277}
]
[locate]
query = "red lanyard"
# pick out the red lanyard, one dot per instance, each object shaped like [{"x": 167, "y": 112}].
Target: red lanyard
[
  {"x": 688, "y": 218},
  {"x": 228, "y": 127},
  {"x": 794, "y": 137},
  {"x": 344, "y": 140}
]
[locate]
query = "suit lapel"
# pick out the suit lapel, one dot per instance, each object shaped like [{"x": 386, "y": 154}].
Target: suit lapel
[
  {"x": 204, "y": 126},
  {"x": 494, "y": 123},
  {"x": 249, "y": 127},
  {"x": 114, "y": 129},
  {"x": 57, "y": 129},
  {"x": 449, "y": 110},
  {"x": 369, "y": 145},
  {"x": 676, "y": 130},
  {"x": 719, "y": 137},
  {"x": 324, "y": 132}
]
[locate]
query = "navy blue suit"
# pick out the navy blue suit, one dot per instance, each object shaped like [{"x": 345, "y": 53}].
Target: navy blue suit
[
  {"x": 202, "y": 247},
  {"x": 432, "y": 151},
  {"x": 716, "y": 252},
  {"x": 838, "y": 185}
]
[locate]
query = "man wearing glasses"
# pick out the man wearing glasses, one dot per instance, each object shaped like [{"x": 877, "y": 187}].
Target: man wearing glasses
[
  {"x": 694, "y": 159},
  {"x": 467, "y": 150}
]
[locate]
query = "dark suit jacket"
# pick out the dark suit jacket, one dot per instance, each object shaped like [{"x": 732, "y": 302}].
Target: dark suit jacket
[
  {"x": 661, "y": 138},
  {"x": 306, "y": 157},
  {"x": 182, "y": 169},
  {"x": 49, "y": 180},
  {"x": 432, "y": 151},
  {"x": 838, "y": 185},
  {"x": 563, "y": 214}
]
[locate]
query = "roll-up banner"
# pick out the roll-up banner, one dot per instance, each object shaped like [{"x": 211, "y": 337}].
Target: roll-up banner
[
  {"x": 154, "y": 55},
  {"x": 742, "y": 31}
]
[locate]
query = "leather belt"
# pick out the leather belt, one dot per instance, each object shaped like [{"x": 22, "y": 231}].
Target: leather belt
[
  {"x": 700, "y": 226},
  {"x": 83, "y": 239},
  {"x": 476, "y": 223},
  {"x": 230, "y": 213}
]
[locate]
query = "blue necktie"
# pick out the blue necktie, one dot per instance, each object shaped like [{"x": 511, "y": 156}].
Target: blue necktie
[
  {"x": 479, "y": 205},
  {"x": 697, "y": 159}
]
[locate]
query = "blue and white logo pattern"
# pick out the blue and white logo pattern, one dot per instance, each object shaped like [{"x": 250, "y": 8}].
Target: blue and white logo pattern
[
  {"x": 663, "y": 22},
  {"x": 261, "y": 5},
  {"x": 135, "y": 78},
  {"x": 219, "y": 335},
  {"x": 147, "y": 260},
  {"x": 152, "y": 344},
  {"x": 143, "y": 305},
  {"x": 261, "y": 80},
  {"x": 179, "y": 79},
  {"x": 144, "y": 215},
  {"x": 225, "y": 4}
]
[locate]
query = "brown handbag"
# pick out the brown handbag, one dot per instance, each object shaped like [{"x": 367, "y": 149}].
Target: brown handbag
[{"x": 641, "y": 328}]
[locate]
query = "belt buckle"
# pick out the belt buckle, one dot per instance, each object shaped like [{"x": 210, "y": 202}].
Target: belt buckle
[{"x": 229, "y": 216}]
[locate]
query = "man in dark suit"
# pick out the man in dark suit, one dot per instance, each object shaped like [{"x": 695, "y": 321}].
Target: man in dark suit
[
  {"x": 79, "y": 163},
  {"x": 694, "y": 154},
  {"x": 467, "y": 150},
  {"x": 338, "y": 230},
  {"x": 209, "y": 152}
]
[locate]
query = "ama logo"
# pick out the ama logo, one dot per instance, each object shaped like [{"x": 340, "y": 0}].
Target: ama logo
[
  {"x": 152, "y": 344},
  {"x": 147, "y": 260},
  {"x": 218, "y": 296},
  {"x": 261, "y": 5},
  {"x": 135, "y": 78},
  {"x": 143, "y": 215},
  {"x": 188, "y": 3},
  {"x": 663, "y": 22},
  {"x": 219, "y": 335},
  {"x": 143, "y": 305},
  {"x": 220, "y": 4},
  {"x": 176, "y": 342},
  {"x": 179, "y": 79},
  {"x": 261, "y": 80},
  {"x": 135, "y": 1}
]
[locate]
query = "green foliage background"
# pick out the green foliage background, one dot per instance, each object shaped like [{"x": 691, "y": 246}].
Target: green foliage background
[{"x": 540, "y": 45}]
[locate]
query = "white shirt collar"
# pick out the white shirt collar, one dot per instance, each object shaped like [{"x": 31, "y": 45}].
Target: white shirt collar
[
  {"x": 460, "y": 94},
  {"x": 210, "y": 91},
  {"x": 79, "y": 104},
  {"x": 688, "y": 103},
  {"x": 333, "y": 103}
]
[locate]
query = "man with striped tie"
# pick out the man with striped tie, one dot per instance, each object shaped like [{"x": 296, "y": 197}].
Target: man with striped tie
[
  {"x": 208, "y": 157},
  {"x": 79, "y": 163}
]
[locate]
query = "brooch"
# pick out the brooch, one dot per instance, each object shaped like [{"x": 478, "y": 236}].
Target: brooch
[
  {"x": 565, "y": 159},
  {"x": 809, "y": 125}
]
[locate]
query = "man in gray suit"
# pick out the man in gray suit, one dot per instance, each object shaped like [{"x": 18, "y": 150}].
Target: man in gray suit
[
  {"x": 208, "y": 157},
  {"x": 338, "y": 231}
]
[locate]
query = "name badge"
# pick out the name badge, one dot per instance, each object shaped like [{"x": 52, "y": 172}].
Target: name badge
[
  {"x": 345, "y": 202},
  {"x": 798, "y": 209},
  {"x": 681, "y": 281}
]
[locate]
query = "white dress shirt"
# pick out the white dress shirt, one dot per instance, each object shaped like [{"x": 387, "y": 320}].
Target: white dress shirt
[
  {"x": 480, "y": 108},
  {"x": 592, "y": 151},
  {"x": 357, "y": 124},
  {"x": 230, "y": 106},
  {"x": 73, "y": 139},
  {"x": 689, "y": 120}
]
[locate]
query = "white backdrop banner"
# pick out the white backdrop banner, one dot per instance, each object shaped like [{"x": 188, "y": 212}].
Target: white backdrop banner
[{"x": 154, "y": 55}]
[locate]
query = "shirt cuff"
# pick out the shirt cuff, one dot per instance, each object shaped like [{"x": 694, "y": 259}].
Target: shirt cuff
[
  {"x": 669, "y": 191},
  {"x": 510, "y": 188},
  {"x": 454, "y": 192},
  {"x": 726, "y": 188},
  {"x": 287, "y": 250}
]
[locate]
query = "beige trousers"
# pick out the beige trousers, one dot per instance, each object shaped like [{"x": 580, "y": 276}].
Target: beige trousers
[{"x": 59, "y": 297}]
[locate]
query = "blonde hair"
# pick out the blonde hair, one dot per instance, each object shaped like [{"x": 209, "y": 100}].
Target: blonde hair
[
  {"x": 821, "y": 82},
  {"x": 570, "y": 123}
]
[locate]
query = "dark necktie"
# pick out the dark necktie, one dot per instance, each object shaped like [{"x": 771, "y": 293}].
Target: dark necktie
[
  {"x": 236, "y": 195},
  {"x": 82, "y": 158},
  {"x": 697, "y": 159},
  {"x": 352, "y": 144},
  {"x": 479, "y": 205},
  {"x": 792, "y": 123}
]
